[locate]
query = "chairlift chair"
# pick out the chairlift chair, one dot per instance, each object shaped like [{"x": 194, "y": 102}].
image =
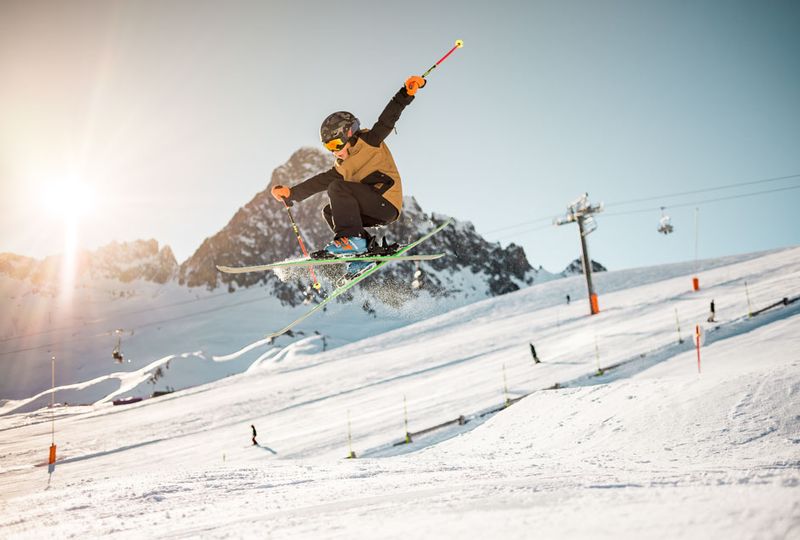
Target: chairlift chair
[
  {"x": 116, "y": 354},
  {"x": 665, "y": 224}
]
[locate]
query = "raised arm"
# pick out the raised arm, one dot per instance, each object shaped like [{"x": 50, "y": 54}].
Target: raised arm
[
  {"x": 315, "y": 184},
  {"x": 391, "y": 114}
]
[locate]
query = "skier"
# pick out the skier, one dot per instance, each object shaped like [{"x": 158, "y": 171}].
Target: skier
[
  {"x": 713, "y": 314},
  {"x": 533, "y": 353},
  {"x": 255, "y": 443},
  {"x": 363, "y": 186}
]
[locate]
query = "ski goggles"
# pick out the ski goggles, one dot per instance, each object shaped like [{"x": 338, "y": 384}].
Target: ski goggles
[{"x": 334, "y": 145}]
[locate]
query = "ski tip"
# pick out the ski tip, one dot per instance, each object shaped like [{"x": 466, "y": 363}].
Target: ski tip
[{"x": 448, "y": 220}]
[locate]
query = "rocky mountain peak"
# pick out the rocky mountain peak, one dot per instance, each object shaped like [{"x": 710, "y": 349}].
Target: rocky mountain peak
[
  {"x": 140, "y": 259},
  {"x": 576, "y": 267}
]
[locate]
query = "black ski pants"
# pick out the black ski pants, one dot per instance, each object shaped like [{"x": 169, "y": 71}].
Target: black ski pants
[{"x": 355, "y": 206}]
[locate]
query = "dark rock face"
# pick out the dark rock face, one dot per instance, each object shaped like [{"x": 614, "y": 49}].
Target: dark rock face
[
  {"x": 260, "y": 232},
  {"x": 576, "y": 267}
]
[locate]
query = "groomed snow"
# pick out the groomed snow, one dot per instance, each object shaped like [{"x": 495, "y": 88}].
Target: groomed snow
[{"x": 649, "y": 449}]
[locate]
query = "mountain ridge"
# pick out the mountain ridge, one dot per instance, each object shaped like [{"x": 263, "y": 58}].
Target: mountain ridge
[{"x": 259, "y": 232}]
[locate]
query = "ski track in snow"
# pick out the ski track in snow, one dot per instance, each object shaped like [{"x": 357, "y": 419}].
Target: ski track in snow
[{"x": 650, "y": 449}]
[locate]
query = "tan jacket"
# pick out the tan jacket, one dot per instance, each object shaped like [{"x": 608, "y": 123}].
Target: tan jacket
[{"x": 363, "y": 160}]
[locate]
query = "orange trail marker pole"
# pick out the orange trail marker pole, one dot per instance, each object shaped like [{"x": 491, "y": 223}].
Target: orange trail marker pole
[
  {"x": 698, "y": 332},
  {"x": 52, "y": 458}
]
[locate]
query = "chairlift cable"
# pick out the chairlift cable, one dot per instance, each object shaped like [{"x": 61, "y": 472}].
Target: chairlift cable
[
  {"x": 679, "y": 205},
  {"x": 145, "y": 325},
  {"x": 704, "y": 190},
  {"x": 659, "y": 197},
  {"x": 704, "y": 201},
  {"x": 123, "y": 314}
]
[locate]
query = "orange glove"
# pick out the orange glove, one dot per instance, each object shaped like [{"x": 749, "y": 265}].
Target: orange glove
[
  {"x": 413, "y": 84},
  {"x": 281, "y": 192}
]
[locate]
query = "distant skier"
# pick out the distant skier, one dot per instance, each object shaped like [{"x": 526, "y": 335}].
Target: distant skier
[
  {"x": 533, "y": 353},
  {"x": 712, "y": 316},
  {"x": 364, "y": 185},
  {"x": 568, "y": 299},
  {"x": 255, "y": 443}
]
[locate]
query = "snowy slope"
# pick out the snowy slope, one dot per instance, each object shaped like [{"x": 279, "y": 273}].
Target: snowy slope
[
  {"x": 649, "y": 449},
  {"x": 181, "y": 330}
]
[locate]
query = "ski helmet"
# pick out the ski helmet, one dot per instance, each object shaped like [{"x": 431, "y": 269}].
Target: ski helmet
[{"x": 337, "y": 128}]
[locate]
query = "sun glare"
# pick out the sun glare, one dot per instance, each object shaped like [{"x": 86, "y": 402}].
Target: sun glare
[{"x": 68, "y": 198}]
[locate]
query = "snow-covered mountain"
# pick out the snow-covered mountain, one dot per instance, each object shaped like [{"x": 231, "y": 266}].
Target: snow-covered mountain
[
  {"x": 473, "y": 268},
  {"x": 121, "y": 261}
]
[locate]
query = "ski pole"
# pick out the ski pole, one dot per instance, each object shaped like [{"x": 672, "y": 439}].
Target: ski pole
[
  {"x": 296, "y": 230},
  {"x": 458, "y": 45}
]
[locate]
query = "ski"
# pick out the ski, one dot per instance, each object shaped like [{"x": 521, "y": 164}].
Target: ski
[
  {"x": 334, "y": 294},
  {"x": 320, "y": 262}
]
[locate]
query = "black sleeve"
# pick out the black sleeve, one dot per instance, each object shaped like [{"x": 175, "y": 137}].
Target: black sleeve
[
  {"x": 388, "y": 118},
  {"x": 313, "y": 185}
]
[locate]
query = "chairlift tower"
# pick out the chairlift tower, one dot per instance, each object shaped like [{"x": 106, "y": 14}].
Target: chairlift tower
[{"x": 580, "y": 211}]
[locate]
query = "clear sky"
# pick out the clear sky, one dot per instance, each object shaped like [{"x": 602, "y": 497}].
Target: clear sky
[{"x": 173, "y": 114}]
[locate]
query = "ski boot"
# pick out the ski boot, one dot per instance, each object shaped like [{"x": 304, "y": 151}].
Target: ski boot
[
  {"x": 356, "y": 267},
  {"x": 347, "y": 246}
]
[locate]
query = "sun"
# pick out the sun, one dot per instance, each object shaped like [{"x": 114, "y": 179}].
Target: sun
[{"x": 69, "y": 198}]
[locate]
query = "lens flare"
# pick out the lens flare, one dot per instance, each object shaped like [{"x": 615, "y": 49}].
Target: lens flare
[{"x": 69, "y": 198}]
